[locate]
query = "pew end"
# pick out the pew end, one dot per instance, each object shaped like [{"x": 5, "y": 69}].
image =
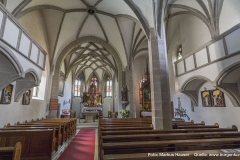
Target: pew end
[
  {"x": 13, "y": 153},
  {"x": 17, "y": 151},
  {"x": 216, "y": 124},
  {"x": 192, "y": 121},
  {"x": 26, "y": 121},
  {"x": 234, "y": 127},
  {"x": 203, "y": 122}
]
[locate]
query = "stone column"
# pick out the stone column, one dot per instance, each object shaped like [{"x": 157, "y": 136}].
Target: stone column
[{"x": 160, "y": 92}]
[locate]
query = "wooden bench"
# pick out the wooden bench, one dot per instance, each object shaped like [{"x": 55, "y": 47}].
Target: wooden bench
[
  {"x": 168, "y": 145},
  {"x": 59, "y": 130},
  {"x": 179, "y": 155},
  {"x": 126, "y": 128},
  {"x": 56, "y": 140},
  {"x": 166, "y": 136},
  {"x": 11, "y": 153},
  {"x": 196, "y": 126},
  {"x": 128, "y": 132},
  {"x": 36, "y": 144}
]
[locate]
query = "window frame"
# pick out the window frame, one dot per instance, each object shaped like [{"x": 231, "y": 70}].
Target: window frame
[
  {"x": 78, "y": 81},
  {"x": 109, "y": 84}
]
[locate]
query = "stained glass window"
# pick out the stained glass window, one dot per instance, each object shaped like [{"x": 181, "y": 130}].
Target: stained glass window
[
  {"x": 179, "y": 53},
  {"x": 77, "y": 87},
  {"x": 109, "y": 88}
]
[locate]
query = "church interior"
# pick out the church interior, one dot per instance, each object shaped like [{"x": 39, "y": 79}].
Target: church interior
[{"x": 113, "y": 71}]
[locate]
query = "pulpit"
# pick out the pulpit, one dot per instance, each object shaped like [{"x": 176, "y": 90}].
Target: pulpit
[{"x": 90, "y": 116}]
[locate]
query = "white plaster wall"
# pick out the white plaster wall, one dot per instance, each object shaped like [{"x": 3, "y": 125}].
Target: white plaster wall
[
  {"x": 67, "y": 94},
  {"x": 189, "y": 63},
  {"x": 230, "y": 15},
  {"x": 180, "y": 67},
  {"x": 34, "y": 53},
  {"x": 201, "y": 57},
  {"x": 14, "y": 112},
  {"x": 210, "y": 71},
  {"x": 26, "y": 64},
  {"x": 1, "y": 17},
  {"x": 41, "y": 59},
  {"x": 11, "y": 5},
  {"x": 24, "y": 45},
  {"x": 216, "y": 50},
  {"x": 107, "y": 101},
  {"x": 232, "y": 41},
  {"x": 224, "y": 116},
  {"x": 194, "y": 33},
  {"x": 11, "y": 33}
]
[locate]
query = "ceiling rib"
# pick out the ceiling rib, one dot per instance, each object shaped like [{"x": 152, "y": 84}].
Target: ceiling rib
[
  {"x": 101, "y": 26},
  {"x": 81, "y": 27}
]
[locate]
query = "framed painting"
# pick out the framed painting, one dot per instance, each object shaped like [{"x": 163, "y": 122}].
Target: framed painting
[
  {"x": 7, "y": 94},
  {"x": 26, "y": 97},
  {"x": 217, "y": 98},
  {"x": 61, "y": 84},
  {"x": 146, "y": 93},
  {"x": 206, "y": 98}
]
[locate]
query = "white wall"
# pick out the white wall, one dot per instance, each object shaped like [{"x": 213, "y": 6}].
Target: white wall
[
  {"x": 224, "y": 116},
  {"x": 107, "y": 101},
  {"x": 194, "y": 33},
  {"x": 67, "y": 94},
  {"x": 15, "y": 111}
]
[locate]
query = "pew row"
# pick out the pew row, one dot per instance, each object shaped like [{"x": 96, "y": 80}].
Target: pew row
[
  {"x": 36, "y": 144},
  {"x": 11, "y": 153},
  {"x": 168, "y": 145},
  {"x": 179, "y": 155}
]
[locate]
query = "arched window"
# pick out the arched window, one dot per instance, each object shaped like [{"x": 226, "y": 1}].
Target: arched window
[
  {"x": 109, "y": 87},
  {"x": 35, "y": 92},
  {"x": 77, "y": 87},
  {"x": 179, "y": 53}
]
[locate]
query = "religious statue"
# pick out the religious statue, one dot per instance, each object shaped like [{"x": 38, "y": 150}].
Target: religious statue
[{"x": 124, "y": 93}]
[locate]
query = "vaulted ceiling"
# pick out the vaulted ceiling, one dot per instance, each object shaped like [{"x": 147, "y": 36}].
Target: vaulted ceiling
[{"x": 56, "y": 23}]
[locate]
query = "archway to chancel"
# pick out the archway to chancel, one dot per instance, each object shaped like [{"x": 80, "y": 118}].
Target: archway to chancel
[{"x": 87, "y": 54}]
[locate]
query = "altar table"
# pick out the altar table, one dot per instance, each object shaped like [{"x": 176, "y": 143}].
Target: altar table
[
  {"x": 146, "y": 114},
  {"x": 90, "y": 116}
]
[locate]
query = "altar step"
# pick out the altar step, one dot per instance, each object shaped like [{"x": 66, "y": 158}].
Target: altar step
[{"x": 87, "y": 125}]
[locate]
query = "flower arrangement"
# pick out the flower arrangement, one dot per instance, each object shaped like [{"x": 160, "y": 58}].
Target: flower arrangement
[
  {"x": 124, "y": 113},
  {"x": 146, "y": 106},
  {"x": 85, "y": 104},
  {"x": 98, "y": 104}
]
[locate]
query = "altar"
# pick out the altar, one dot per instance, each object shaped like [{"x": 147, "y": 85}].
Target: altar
[{"x": 89, "y": 116}]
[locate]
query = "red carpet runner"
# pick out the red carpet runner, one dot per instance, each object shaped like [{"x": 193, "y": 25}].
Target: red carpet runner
[{"x": 82, "y": 146}]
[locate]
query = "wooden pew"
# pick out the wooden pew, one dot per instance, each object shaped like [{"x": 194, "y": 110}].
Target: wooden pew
[
  {"x": 196, "y": 126},
  {"x": 56, "y": 141},
  {"x": 128, "y": 132},
  {"x": 36, "y": 144},
  {"x": 178, "y": 155},
  {"x": 11, "y": 153},
  {"x": 168, "y": 145},
  {"x": 126, "y": 128},
  {"x": 170, "y": 136},
  {"x": 58, "y": 129}
]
